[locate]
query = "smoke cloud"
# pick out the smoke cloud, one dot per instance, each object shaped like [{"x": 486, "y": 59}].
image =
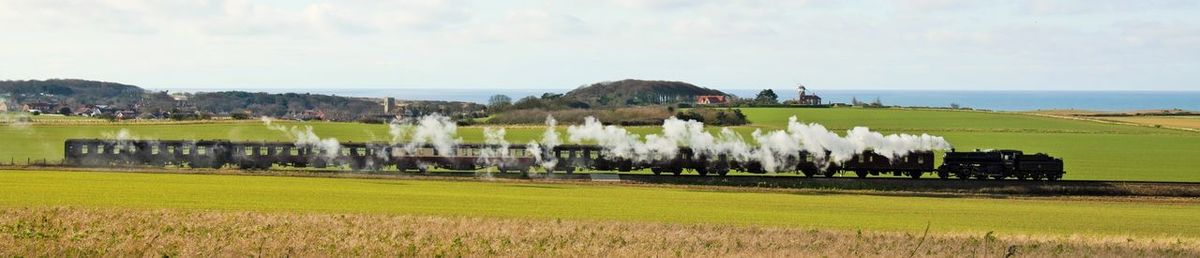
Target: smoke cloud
[
  {"x": 550, "y": 139},
  {"x": 306, "y": 137},
  {"x": 436, "y": 130},
  {"x": 18, "y": 120},
  {"x": 776, "y": 150},
  {"x": 497, "y": 147}
]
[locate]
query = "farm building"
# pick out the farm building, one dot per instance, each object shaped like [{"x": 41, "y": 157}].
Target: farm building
[
  {"x": 710, "y": 100},
  {"x": 38, "y": 107},
  {"x": 805, "y": 98}
]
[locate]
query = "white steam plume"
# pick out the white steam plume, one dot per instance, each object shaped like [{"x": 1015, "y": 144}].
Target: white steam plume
[
  {"x": 306, "y": 137},
  {"x": 550, "y": 140},
  {"x": 620, "y": 143},
  {"x": 496, "y": 150},
  {"x": 776, "y": 150},
  {"x": 436, "y": 130}
]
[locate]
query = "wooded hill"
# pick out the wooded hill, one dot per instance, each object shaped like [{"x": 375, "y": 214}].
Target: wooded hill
[
  {"x": 631, "y": 92},
  {"x": 75, "y": 94}
]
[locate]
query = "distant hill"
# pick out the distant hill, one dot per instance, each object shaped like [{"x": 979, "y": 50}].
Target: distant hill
[
  {"x": 632, "y": 92},
  {"x": 72, "y": 92}
]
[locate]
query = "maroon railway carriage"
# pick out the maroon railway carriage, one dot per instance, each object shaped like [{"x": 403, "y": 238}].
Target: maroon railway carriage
[{"x": 378, "y": 156}]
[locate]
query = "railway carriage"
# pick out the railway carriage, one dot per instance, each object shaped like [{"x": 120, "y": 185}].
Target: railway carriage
[{"x": 378, "y": 156}]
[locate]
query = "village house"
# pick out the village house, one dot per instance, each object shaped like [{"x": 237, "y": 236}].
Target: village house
[
  {"x": 805, "y": 98},
  {"x": 38, "y": 107},
  {"x": 711, "y": 100}
]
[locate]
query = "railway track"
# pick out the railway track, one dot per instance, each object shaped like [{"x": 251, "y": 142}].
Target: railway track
[{"x": 890, "y": 184}]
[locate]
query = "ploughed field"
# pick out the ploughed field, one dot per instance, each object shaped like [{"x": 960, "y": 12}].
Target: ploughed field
[
  {"x": 1090, "y": 150},
  {"x": 1123, "y": 218}
]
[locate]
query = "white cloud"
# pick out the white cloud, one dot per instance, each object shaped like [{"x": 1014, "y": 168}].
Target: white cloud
[{"x": 722, "y": 43}]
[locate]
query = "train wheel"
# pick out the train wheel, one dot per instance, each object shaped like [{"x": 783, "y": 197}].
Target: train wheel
[
  {"x": 703, "y": 171},
  {"x": 1037, "y": 177},
  {"x": 943, "y": 174},
  {"x": 570, "y": 170},
  {"x": 915, "y": 175},
  {"x": 809, "y": 174},
  {"x": 676, "y": 171},
  {"x": 722, "y": 172},
  {"x": 1021, "y": 177},
  {"x": 861, "y": 174},
  {"x": 1053, "y": 178},
  {"x": 829, "y": 173},
  {"x": 656, "y": 171}
]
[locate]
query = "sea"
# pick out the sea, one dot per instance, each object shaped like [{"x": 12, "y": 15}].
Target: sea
[{"x": 990, "y": 100}]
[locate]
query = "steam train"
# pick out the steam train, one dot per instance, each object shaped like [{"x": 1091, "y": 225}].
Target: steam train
[{"x": 375, "y": 156}]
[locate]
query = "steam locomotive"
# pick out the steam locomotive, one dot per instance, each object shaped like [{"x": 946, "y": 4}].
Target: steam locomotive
[{"x": 376, "y": 156}]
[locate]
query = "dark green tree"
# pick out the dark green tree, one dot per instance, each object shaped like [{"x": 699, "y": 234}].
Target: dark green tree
[{"x": 767, "y": 96}]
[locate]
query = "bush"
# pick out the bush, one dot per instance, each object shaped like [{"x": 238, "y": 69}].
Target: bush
[
  {"x": 721, "y": 117},
  {"x": 240, "y": 116},
  {"x": 372, "y": 120}
]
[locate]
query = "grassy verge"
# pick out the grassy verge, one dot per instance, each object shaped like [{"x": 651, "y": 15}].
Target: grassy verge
[
  {"x": 1156, "y": 218},
  {"x": 63, "y": 231}
]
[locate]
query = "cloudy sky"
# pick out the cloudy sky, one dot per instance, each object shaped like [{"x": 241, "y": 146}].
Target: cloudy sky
[{"x": 913, "y": 44}]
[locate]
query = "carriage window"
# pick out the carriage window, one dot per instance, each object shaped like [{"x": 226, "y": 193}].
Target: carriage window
[
  {"x": 186, "y": 150},
  {"x": 345, "y": 151},
  {"x": 920, "y": 160},
  {"x": 100, "y": 149},
  {"x": 116, "y": 150},
  {"x": 83, "y": 149},
  {"x": 171, "y": 149},
  {"x": 154, "y": 149},
  {"x": 294, "y": 151},
  {"x": 808, "y": 158},
  {"x": 361, "y": 151},
  {"x": 201, "y": 150}
]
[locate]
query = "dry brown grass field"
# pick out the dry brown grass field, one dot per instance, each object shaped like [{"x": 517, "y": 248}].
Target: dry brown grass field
[
  {"x": 66, "y": 231},
  {"x": 1192, "y": 122}
]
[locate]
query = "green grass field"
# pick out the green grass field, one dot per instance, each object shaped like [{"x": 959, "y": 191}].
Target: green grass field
[
  {"x": 601, "y": 203},
  {"x": 1091, "y": 150}
]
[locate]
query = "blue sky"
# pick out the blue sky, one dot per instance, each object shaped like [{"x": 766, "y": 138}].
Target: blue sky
[{"x": 904, "y": 44}]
